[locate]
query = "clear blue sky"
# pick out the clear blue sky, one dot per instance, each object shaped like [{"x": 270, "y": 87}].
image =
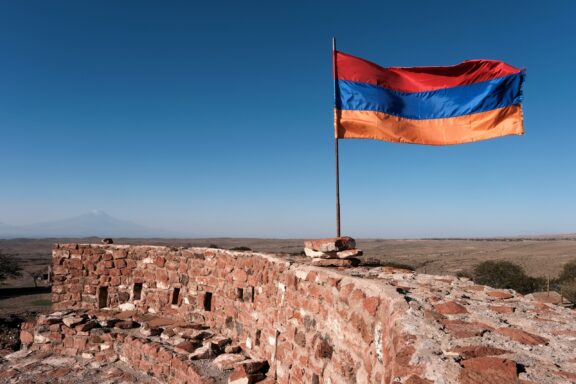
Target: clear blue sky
[{"x": 215, "y": 118}]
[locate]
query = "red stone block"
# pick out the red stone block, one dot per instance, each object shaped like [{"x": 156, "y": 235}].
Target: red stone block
[
  {"x": 463, "y": 329},
  {"x": 311, "y": 305},
  {"x": 74, "y": 263},
  {"x": 357, "y": 297},
  {"x": 193, "y": 375},
  {"x": 26, "y": 338},
  {"x": 239, "y": 376},
  {"x": 173, "y": 277},
  {"x": 311, "y": 276},
  {"x": 69, "y": 342},
  {"x": 345, "y": 291},
  {"x": 9, "y": 373},
  {"x": 522, "y": 337},
  {"x": 468, "y": 352},
  {"x": 371, "y": 305},
  {"x": 501, "y": 309},
  {"x": 120, "y": 253},
  {"x": 95, "y": 339},
  {"x": 239, "y": 275},
  {"x": 70, "y": 351},
  {"x": 114, "y": 272},
  {"x": 450, "y": 308},
  {"x": 161, "y": 276},
  {"x": 121, "y": 263},
  {"x": 171, "y": 266},
  {"x": 165, "y": 356},
  {"x": 157, "y": 370},
  {"x": 333, "y": 244},
  {"x": 59, "y": 372},
  {"x": 489, "y": 370},
  {"x": 417, "y": 380},
  {"x": 500, "y": 294},
  {"x": 145, "y": 366},
  {"x": 80, "y": 342}
]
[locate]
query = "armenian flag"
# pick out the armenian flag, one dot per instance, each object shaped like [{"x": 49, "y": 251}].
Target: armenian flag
[{"x": 474, "y": 100}]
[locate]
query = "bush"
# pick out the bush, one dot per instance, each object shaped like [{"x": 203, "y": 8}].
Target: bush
[
  {"x": 506, "y": 275},
  {"x": 240, "y": 249},
  {"x": 569, "y": 291},
  {"x": 8, "y": 266},
  {"x": 569, "y": 272}
]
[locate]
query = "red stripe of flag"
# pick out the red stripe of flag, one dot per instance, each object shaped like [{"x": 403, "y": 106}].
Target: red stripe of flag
[{"x": 420, "y": 79}]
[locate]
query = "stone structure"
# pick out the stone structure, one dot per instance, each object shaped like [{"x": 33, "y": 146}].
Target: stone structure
[
  {"x": 333, "y": 252},
  {"x": 311, "y": 324}
]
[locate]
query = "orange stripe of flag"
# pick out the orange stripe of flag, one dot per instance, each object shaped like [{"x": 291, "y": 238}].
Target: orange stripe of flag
[{"x": 352, "y": 124}]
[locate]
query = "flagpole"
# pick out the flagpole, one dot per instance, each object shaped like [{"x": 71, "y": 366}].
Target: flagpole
[{"x": 336, "y": 139}]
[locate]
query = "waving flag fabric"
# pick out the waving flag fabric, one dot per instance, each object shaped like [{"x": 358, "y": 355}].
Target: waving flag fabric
[{"x": 471, "y": 101}]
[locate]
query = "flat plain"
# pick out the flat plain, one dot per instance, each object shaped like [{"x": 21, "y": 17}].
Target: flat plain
[{"x": 539, "y": 256}]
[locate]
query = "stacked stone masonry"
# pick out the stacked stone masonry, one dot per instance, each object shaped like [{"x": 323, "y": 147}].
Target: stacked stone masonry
[
  {"x": 319, "y": 325},
  {"x": 166, "y": 349}
]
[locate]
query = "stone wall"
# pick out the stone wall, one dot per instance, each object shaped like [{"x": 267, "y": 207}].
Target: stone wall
[{"x": 314, "y": 325}]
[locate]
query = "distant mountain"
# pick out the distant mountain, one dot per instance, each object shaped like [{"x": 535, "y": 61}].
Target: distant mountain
[
  {"x": 6, "y": 230},
  {"x": 95, "y": 223}
]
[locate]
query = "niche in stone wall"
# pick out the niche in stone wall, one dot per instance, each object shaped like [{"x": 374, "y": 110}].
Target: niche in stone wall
[
  {"x": 137, "y": 292},
  {"x": 102, "y": 297},
  {"x": 257, "y": 337},
  {"x": 175, "y": 296},
  {"x": 249, "y": 294},
  {"x": 208, "y": 301}
]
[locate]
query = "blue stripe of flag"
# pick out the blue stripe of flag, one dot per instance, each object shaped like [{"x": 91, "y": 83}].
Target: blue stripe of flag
[{"x": 437, "y": 104}]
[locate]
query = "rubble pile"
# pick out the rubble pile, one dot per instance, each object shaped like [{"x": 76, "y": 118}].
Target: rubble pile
[
  {"x": 166, "y": 349},
  {"x": 333, "y": 252},
  {"x": 27, "y": 366}
]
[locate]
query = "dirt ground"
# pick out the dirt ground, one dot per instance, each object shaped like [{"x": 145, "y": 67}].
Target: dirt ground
[{"x": 25, "y": 303}]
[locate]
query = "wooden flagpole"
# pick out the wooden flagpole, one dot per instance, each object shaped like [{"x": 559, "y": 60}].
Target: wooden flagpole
[{"x": 336, "y": 138}]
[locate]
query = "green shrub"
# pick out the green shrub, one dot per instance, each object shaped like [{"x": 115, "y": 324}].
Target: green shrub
[
  {"x": 506, "y": 275},
  {"x": 569, "y": 272},
  {"x": 240, "y": 249},
  {"x": 569, "y": 291},
  {"x": 9, "y": 266}
]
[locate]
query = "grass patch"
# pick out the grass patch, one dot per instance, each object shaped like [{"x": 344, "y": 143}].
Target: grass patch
[{"x": 41, "y": 303}]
